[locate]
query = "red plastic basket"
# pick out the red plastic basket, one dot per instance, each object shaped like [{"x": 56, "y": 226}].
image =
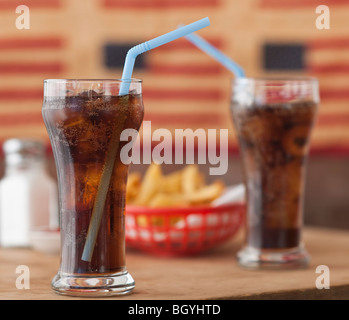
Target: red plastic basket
[{"x": 181, "y": 231}]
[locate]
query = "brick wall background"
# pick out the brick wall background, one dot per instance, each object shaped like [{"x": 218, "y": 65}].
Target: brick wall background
[{"x": 184, "y": 88}]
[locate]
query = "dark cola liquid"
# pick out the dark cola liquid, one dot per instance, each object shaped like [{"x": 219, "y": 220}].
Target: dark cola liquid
[
  {"x": 274, "y": 142},
  {"x": 81, "y": 130}
]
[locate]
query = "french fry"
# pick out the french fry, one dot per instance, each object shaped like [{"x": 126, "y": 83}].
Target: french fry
[
  {"x": 192, "y": 179},
  {"x": 181, "y": 188},
  {"x": 152, "y": 181},
  {"x": 142, "y": 221},
  {"x": 168, "y": 200},
  {"x": 133, "y": 185},
  {"x": 172, "y": 183},
  {"x": 156, "y": 221},
  {"x": 206, "y": 194}
]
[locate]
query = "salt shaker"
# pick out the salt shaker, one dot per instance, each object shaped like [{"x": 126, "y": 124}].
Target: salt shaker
[{"x": 28, "y": 194}]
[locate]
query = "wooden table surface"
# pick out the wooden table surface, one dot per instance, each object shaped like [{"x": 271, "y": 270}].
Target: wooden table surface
[{"x": 213, "y": 275}]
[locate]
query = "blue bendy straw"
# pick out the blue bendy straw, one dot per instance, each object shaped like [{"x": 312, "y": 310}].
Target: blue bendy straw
[
  {"x": 106, "y": 175},
  {"x": 151, "y": 44},
  {"x": 216, "y": 54}
]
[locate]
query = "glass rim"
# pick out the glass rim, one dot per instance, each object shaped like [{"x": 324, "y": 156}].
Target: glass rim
[
  {"x": 280, "y": 79},
  {"x": 132, "y": 80}
]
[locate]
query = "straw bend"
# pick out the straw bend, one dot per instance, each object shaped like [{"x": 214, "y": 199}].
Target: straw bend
[
  {"x": 154, "y": 43},
  {"x": 131, "y": 58},
  {"x": 138, "y": 49}
]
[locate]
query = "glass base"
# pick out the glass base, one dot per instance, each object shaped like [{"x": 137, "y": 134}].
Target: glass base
[
  {"x": 253, "y": 258},
  {"x": 93, "y": 286}
]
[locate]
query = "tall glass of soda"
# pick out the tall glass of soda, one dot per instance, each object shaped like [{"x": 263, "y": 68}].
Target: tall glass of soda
[
  {"x": 273, "y": 119},
  {"x": 84, "y": 120}
]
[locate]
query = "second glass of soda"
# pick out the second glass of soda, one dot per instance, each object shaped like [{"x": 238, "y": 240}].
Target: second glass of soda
[{"x": 273, "y": 119}]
